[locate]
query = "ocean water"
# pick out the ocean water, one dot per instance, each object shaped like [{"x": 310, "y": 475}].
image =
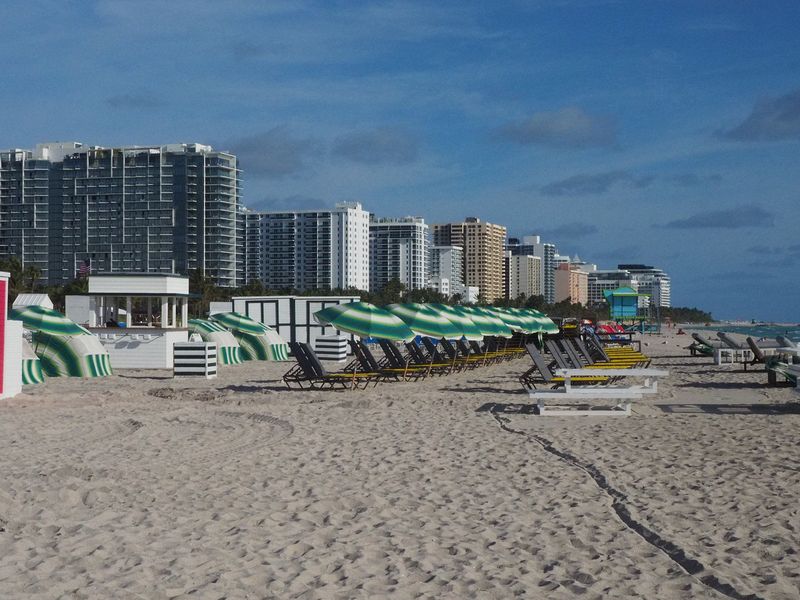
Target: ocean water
[{"x": 757, "y": 331}]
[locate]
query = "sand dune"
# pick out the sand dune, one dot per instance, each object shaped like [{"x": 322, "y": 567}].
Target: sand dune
[{"x": 141, "y": 486}]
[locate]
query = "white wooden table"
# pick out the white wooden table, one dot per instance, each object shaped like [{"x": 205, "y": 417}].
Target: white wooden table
[{"x": 651, "y": 377}]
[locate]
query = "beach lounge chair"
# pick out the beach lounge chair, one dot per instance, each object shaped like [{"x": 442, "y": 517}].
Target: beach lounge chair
[
  {"x": 702, "y": 346},
  {"x": 584, "y": 353},
  {"x": 435, "y": 355},
  {"x": 732, "y": 343},
  {"x": 598, "y": 388},
  {"x": 464, "y": 359},
  {"x": 541, "y": 372},
  {"x": 386, "y": 371},
  {"x": 607, "y": 354},
  {"x": 310, "y": 371},
  {"x": 419, "y": 359},
  {"x": 758, "y": 354}
]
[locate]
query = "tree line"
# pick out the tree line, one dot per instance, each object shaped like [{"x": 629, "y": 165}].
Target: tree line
[{"x": 203, "y": 291}]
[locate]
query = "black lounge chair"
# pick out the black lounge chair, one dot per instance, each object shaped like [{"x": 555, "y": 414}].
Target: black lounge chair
[
  {"x": 419, "y": 359},
  {"x": 309, "y": 370},
  {"x": 386, "y": 369},
  {"x": 559, "y": 358}
]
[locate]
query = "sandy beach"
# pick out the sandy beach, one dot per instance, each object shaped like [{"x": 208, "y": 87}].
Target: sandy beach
[{"x": 143, "y": 486}]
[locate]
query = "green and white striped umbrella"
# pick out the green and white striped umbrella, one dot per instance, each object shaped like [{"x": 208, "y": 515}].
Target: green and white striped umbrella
[
  {"x": 239, "y": 322},
  {"x": 256, "y": 340},
  {"x": 488, "y": 323},
  {"x": 262, "y": 346},
  {"x": 423, "y": 320},
  {"x": 228, "y": 350},
  {"x": 71, "y": 355},
  {"x": 513, "y": 322},
  {"x": 530, "y": 323},
  {"x": 31, "y": 365},
  {"x": 365, "y": 320},
  {"x": 64, "y": 348},
  {"x": 46, "y": 320},
  {"x": 468, "y": 328},
  {"x": 548, "y": 326}
]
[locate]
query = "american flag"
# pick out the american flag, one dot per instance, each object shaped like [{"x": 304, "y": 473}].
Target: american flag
[{"x": 85, "y": 268}]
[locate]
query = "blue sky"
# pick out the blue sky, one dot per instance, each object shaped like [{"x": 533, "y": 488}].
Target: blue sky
[{"x": 663, "y": 132}]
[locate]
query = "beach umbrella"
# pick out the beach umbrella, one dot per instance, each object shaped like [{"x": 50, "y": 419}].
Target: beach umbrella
[
  {"x": 488, "y": 323},
  {"x": 71, "y": 355},
  {"x": 257, "y": 341},
  {"x": 423, "y": 320},
  {"x": 548, "y": 326},
  {"x": 64, "y": 348},
  {"x": 468, "y": 328},
  {"x": 239, "y": 322},
  {"x": 514, "y": 322},
  {"x": 47, "y": 320},
  {"x": 31, "y": 365},
  {"x": 531, "y": 323},
  {"x": 229, "y": 352},
  {"x": 365, "y": 320}
]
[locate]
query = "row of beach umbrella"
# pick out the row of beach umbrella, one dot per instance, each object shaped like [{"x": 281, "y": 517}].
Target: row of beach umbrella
[{"x": 403, "y": 322}]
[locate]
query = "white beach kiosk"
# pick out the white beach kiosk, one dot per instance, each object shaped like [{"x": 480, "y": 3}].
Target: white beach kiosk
[{"x": 138, "y": 317}]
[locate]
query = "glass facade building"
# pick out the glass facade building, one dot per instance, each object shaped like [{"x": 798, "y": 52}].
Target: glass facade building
[{"x": 157, "y": 209}]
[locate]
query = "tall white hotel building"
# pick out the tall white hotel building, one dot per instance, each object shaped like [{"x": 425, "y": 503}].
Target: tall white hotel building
[
  {"x": 398, "y": 249},
  {"x": 315, "y": 249}
]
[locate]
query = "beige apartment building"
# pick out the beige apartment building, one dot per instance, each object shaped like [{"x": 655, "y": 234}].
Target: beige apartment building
[
  {"x": 572, "y": 283},
  {"x": 523, "y": 276},
  {"x": 484, "y": 264}
]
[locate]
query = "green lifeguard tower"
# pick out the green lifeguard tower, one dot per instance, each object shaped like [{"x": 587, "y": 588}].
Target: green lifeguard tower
[{"x": 623, "y": 305}]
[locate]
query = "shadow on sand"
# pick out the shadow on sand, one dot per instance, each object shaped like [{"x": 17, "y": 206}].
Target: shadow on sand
[
  {"x": 791, "y": 408},
  {"x": 511, "y": 409},
  {"x": 483, "y": 390}
]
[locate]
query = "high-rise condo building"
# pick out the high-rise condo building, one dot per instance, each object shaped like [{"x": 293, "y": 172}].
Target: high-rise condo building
[
  {"x": 249, "y": 240},
  {"x": 533, "y": 246},
  {"x": 484, "y": 263},
  {"x": 608, "y": 279},
  {"x": 153, "y": 209},
  {"x": 652, "y": 281},
  {"x": 446, "y": 270},
  {"x": 398, "y": 249},
  {"x": 315, "y": 249},
  {"x": 523, "y": 276}
]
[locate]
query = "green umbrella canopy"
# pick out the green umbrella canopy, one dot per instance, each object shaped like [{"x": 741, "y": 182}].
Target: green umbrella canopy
[
  {"x": 365, "y": 320},
  {"x": 423, "y": 320},
  {"x": 468, "y": 328},
  {"x": 531, "y": 323},
  {"x": 548, "y": 326},
  {"x": 205, "y": 326},
  {"x": 512, "y": 321},
  {"x": 488, "y": 323},
  {"x": 46, "y": 320},
  {"x": 238, "y": 322}
]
